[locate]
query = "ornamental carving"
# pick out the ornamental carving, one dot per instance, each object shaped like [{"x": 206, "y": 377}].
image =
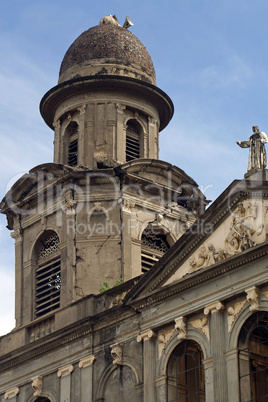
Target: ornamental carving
[
  {"x": 69, "y": 203},
  {"x": 97, "y": 208},
  {"x": 253, "y": 297},
  {"x": 233, "y": 313},
  {"x": 163, "y": 339},
  {"x": 37, "y": 385},
  {"x": 87, "y": 361},
  {"x": 213, "y": 307},
  {"x": 117, "y": 354},
  {"x": 180, "y": 326},
  {"x": 207, "y": 256},
  {"x": 242, "y": 229},
  {"x": 201, "y": 325},
  {"x": 146, "y": 335},
  {"x": 65, "y": 370},
  {"x": 49, "y": 246},
  {"x": 10, "y": 393}
]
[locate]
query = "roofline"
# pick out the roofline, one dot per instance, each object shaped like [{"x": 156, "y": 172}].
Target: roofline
[{"x": 150, "y": 92}]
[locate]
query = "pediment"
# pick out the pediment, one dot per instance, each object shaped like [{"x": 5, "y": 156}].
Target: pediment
[
  {"x": 236, "y": 223},
  {"x": 245, "y": 227}
]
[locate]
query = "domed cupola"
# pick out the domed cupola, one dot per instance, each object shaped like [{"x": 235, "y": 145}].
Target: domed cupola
[
  {"x": 107, "y": 49},
  {"x": 106, "y": 109}
]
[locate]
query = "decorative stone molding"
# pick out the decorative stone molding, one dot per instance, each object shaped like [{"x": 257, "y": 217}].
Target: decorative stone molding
[
  {"x": 117, "y": 354},
  {"x": 86, "y": 361},
  {"x": 57, "y": 124},
  {"x": 10, "y": 393},
  {"x": 120, "y": 108},
  {"x": 146, "y": 335},
  {"x": 201, "y": 325},
  {"x": 126, "y": 204},
  {"x": 163, "y": 339},
  {"x": 233, "y": 313},
  {"x": 265, "y": 293},
  {"x": 37, "y": 385},
  {"x": 17, "y": 236},
  {"x": 180, "y": 326},
  {"x": 65, "y": 370},
  {"x": 69, "y": 202},
  {"x": 213, "y": 307},
  {"x": 82, "y": 109},
  {"x": 97, "y": 208},
  {"x": 42, "y": 329},
  {"x": 253, "y": 297}
]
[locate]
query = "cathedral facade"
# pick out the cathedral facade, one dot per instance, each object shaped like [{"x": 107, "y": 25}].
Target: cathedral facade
[{"x": 127, "y": 287}]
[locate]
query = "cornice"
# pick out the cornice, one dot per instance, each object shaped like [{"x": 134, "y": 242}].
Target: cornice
[{"x": 199, "y": 277}]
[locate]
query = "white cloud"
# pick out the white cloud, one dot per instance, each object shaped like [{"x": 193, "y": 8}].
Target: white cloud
[{"x": 237, "y": 73}]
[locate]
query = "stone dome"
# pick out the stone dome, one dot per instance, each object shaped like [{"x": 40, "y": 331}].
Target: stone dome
[{"x": 107, "y": 49}]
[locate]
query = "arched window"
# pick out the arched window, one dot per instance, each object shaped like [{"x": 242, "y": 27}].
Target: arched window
[
  {"x": 185, "y": 373},
  {"x": 72, "y": 134},
  {"x": 132, "y": 140},
  {"x": 154, "y": 245},
  {"x": 48, "y": 274},
  {"x": 253, "y": 358},
  {"x": 42, "y": 399}
]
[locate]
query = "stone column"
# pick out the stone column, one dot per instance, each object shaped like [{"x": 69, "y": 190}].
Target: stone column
[
  {"x": 231, "y": 358},
  {"x": 11, "y": 394},
  {"x": 147, "y": 337},
  {"x": 217, "y": 342},
  {"x": 85, "y": 365},
  {"x": 64, "y": 373}
]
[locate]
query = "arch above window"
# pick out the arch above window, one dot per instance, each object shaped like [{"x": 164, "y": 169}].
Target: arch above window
[{"x": 48, "y": 274}]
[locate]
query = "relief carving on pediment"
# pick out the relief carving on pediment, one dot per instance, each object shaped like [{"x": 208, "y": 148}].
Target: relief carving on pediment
[{"x": 245, "y": 229}]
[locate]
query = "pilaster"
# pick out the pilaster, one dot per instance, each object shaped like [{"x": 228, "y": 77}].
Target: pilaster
[
  {"x": 17, "y": 236},
  {"x": 85, "y": 365},
  {"x": 217, "y": 336},
  {"x": 64, "y": 373},
  {"x": 231, "y": 358},
  {"x": 148, "y": 337},
  {"x": 57, "y": 128}
]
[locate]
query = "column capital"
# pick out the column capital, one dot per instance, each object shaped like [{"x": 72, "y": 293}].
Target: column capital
[
  {"x": 214, "y": 307},
  {"x": 86, "y": 361},
  {"x": 146, "y": 335},
  {"x": 10, "y": 393},
  {"x": 65, "y": 370}
]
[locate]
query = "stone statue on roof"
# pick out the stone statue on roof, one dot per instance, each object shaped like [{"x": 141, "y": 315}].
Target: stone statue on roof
[{"x": 257, "y": 155}]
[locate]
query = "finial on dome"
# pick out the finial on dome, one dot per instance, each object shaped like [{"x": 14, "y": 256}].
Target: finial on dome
[
  {"x": 112, "y": 19},
  {"x": 127, "y": 23}
]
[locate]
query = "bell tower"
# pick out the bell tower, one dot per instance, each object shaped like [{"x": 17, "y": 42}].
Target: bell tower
[
  {"x": 106, "y": 109},
  {"x": 106, "y": 209}
]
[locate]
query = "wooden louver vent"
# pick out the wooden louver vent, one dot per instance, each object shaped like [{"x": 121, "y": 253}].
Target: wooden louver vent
[
  {"x": 132, "y": 142},
  {"x": 73, "y": 153},
  {"x": 48, "y": 284},
  {"x": 153, "y": 247}
]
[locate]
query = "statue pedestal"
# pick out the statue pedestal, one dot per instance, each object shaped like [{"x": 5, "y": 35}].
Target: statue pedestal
[{"x": 258, "y": 175}]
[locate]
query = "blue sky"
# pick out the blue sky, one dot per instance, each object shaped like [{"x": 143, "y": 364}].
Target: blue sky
[{"x": 210, "y": 57}]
